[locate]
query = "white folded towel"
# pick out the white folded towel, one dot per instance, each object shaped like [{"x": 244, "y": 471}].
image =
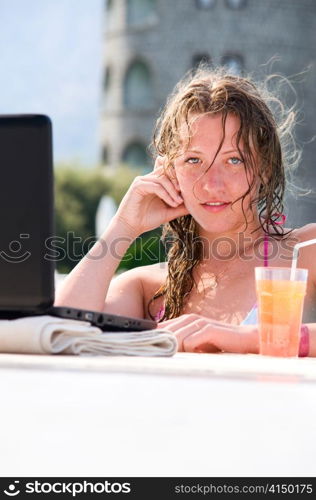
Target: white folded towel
[{"x": 52, "y": 335}]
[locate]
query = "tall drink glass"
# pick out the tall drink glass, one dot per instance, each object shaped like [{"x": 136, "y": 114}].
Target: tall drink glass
[{"x": 280, "y": 309}]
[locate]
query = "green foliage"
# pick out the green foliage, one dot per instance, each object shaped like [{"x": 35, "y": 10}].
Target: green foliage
[
  {"x": 120, "y": 179},
  {"x": 144, "y": 251},
  {"x": 78, "y": 192}
]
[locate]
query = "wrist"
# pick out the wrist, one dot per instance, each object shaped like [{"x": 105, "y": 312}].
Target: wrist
[
  {"x": 123, "y": 228},
  {"x": 304, "y": 342},
  {"x": 250, "y": 338}
]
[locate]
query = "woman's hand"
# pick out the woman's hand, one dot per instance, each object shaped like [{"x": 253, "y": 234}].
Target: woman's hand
[
  {"x": 151, "y": 200},
  {"x": 196, "y": 333}
]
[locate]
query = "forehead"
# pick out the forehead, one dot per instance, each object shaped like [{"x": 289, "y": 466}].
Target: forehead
[{"x": 207, "y": 131}]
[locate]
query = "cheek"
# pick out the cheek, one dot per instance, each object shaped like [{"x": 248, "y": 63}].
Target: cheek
[
  {"x": 239, "y": 188},
  {"x": 245, "y": 182},
  {"x": 255, "y": 188},
  {"x": 186, "y": 177},
  {"x": 252, "y": 195}
]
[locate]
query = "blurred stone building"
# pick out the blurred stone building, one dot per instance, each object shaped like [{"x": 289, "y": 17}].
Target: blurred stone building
[{"x": 151, "y": 44}]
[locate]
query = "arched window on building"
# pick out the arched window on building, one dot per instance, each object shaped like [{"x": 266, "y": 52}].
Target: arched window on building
[
  {"x": 204, "y": 4},
  {"x": 107, "y": 78},
  {"x": 138, "y": 92},
  {"x": 105, "y": 155},
  {"x": 198, "y": 59},
  {"x": 140, "y": 11},
  {"x": 109, "y": 8},
  {"x": 234, "y": 63},
  {"x": 135, "y": 155},
  {"x": 106, "y": 87},
  {"x": 236, "y": 4}
]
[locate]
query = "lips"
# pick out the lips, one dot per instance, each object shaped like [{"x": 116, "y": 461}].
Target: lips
[
  {"x": 215, "y": 202},
  {"x": 215, "y": 208}
]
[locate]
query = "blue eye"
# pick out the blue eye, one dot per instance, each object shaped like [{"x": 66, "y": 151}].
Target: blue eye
[
  {"x": 192, "y": 161},
  {"x": 235, "y": 161}
]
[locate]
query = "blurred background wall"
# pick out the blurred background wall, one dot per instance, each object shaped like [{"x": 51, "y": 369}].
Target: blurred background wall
[{"x": 150, "y": 44}]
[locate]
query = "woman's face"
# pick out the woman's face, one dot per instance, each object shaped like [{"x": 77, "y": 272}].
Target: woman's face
[{"x": 224, "y": 182}]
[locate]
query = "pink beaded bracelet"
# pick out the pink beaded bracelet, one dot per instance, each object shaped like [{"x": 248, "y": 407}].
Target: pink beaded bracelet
[{"x": 304, "y": 342}]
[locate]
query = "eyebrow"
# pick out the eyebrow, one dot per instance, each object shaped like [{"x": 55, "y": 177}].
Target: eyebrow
[
  {"x": 223, "y": 152},
  {"x": 193, "y": 151},
  {"x": 232, "y": 151}
]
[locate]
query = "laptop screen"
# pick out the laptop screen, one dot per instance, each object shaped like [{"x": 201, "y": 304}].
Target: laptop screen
[{"x": 26, "y": 207}]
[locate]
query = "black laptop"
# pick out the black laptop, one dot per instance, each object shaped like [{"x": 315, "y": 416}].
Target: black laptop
[{"x": 26, "y": 206}]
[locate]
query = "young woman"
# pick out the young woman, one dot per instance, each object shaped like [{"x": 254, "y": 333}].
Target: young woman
[{"x": 217, "y": 186}]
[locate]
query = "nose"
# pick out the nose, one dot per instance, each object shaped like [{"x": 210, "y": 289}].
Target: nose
[{"x": 212, "y": 180}]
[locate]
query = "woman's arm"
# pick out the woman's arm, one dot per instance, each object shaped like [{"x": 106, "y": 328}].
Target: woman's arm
[
  {"x": 150, "y": 201},
  {"x": 87, "y": 284},
  {"x": 198, "y": 334}
]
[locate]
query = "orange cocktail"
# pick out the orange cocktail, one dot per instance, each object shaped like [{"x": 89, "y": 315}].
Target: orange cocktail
[{"x": 280, "y": 309}]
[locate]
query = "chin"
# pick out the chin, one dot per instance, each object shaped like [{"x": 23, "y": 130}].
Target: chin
[
  {"x": 216, "y": 223},
  {"x": 216, "y": 227}
]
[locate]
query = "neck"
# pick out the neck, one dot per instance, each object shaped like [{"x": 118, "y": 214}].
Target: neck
[{"x": 231, "y": 245}]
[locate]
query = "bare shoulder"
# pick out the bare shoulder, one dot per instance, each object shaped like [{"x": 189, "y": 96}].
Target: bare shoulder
[
  {"x": 152, "y": 278},
  {"x": 147, "y": 276},
  {"x": 300, "y": 234},
  {"x": 306, "y": 232},
  {"x": 130, "y": 291},
  {"x": 153, "y": 272}
]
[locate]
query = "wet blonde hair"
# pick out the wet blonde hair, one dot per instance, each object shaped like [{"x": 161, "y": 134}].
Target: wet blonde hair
[{"x": 266, "y": 131}]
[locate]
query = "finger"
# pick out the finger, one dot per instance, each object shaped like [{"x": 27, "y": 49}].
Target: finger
[
  {"x": 242, "y": 341},
  {"x": 173, "y": 177},
  {"x": 186, "y": 332},
  {"x": 206, "y": 348},
  {"x": 170, "y": 187},
  {"x": 200, "y": 341},
  {"x": 187, "y": 318},
  {"x": 181, "y": 321},
  {"x": 180, "y": 327},
  {"x": 159, "y": 162},
  {"x": 167, "y": 184},
  {"x": 160, "y": 168},
  {"x": 174, "y": 213},
  {"x": 175, "y": 326},
  {"x": 158, "y": 189},
  {"x": 170, "y": 173}
]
